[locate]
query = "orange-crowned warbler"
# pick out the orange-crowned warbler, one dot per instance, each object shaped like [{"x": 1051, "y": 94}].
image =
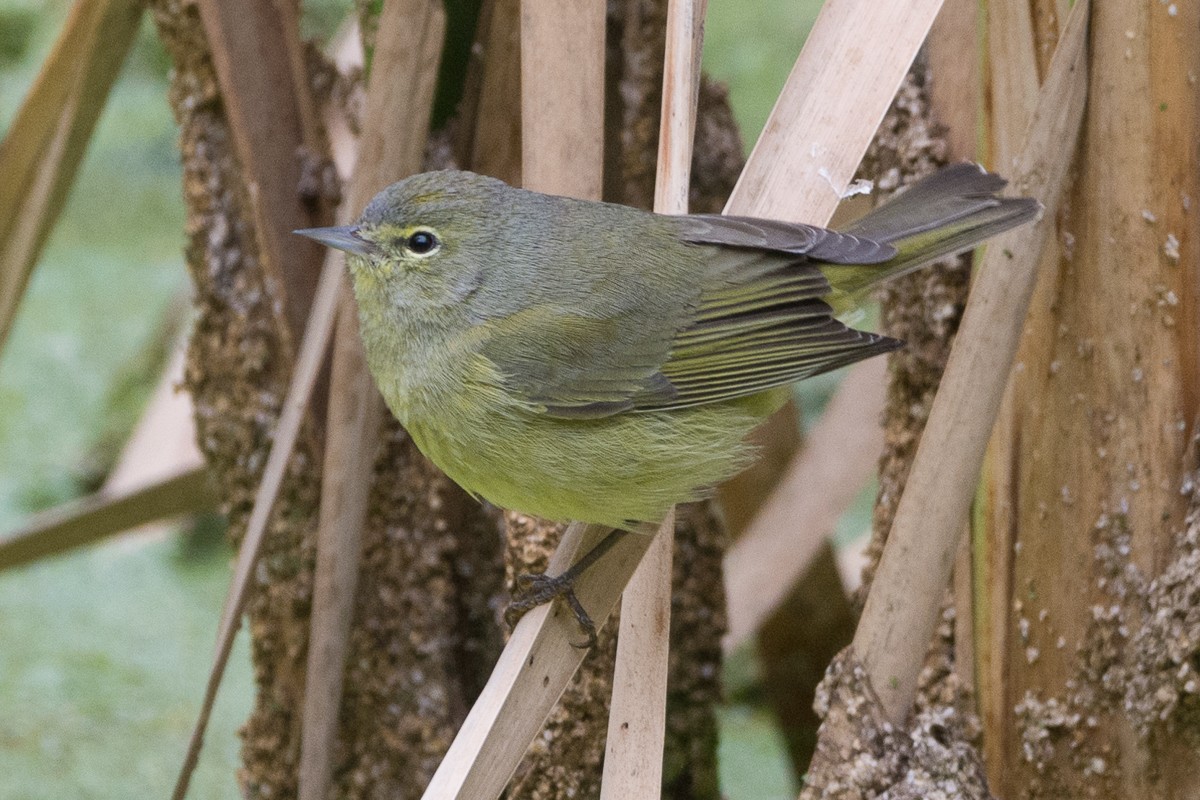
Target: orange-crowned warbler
[{"x": 587, "y": 361}]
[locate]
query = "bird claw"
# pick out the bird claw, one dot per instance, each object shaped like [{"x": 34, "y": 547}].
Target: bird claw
[{"x": 540, "y": 588}]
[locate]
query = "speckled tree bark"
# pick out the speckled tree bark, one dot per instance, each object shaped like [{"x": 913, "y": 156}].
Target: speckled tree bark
[
  {"x": 1090, "y": 642},
  {"x": 424, "y": 632}
]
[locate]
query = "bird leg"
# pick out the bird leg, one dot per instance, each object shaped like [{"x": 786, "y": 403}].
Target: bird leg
[{"x": 538, "y": 588}]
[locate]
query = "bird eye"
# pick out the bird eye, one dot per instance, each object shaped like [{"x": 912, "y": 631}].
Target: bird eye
[{"x": 422, "y": 242}]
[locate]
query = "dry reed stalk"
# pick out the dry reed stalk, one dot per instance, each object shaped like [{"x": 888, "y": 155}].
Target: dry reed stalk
[
  {"x": 812, "y": 144},
  {"x": 562, "y": 97},
  {"x": 47, "y": 139},
  {"x": 808, "y": 121},
  {"x": 493, "y": 144},
  {"x": 955, "y": 98},
  {"x": 281, "y": 169},
  {"x": 824, "y": 120},
  {"x": 163, "y": 441},
  {"x": 680, "y": 93},
  {"x": 159, "y": 476},
  {"x": 1013, "y": 84},
  {"x": 295, "y": 407},
  {"x": 637, "y": 713},
  {"x": 311, "y": 128},
  {"x": 408, "y": 45},
  {"x": 1013, "y": 69},
  {"x": 1014, "y": 87},
  {"x": 562, "y": 124},
  {"x": 355, "y": 417},
  {"x": 567, "y": 758},
  {"x": 104, "y": 514},
  {"x": 902, "y": 608},
  {"x": 532, "y": 672},
  {"x": 955, "y": 92}
]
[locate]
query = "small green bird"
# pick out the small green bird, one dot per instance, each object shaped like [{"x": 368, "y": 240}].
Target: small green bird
[{"x": 587, "y": 361}]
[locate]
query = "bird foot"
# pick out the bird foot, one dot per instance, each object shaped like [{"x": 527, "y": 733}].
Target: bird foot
[{"x": 537, "y": 589}]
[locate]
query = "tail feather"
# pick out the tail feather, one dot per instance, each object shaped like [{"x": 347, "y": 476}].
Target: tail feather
[{"x": 948, "y": 212}]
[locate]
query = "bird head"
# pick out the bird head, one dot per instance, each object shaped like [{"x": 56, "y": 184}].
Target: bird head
[{"x": 421, "y": 240}]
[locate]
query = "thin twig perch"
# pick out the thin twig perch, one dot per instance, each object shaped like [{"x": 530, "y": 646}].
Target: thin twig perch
[
  {"x": 534, "y": 669},
  {"x": 637, "y": 714}
]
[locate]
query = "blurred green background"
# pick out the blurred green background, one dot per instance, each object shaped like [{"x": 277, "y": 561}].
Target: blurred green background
[{"x": 104, "y": 651}]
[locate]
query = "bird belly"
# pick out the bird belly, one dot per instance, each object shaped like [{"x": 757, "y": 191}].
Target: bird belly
[{"x": 614, "y": 470}]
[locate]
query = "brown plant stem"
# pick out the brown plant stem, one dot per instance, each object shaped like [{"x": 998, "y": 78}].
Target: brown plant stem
[
  {"x": 106, "y": 513},
  {"x": 251, "y": 57},
  {"x": 408, "y": 46}
]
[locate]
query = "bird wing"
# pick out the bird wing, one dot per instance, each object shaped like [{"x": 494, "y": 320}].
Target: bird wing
[
  {"x": 745, "y": 315},
  {"x": 759, "y": 325},
  {"x": 570, "y": 365}
]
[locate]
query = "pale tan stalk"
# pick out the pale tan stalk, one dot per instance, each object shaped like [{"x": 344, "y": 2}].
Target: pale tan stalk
[
  {"x": 955, "y": 98},
  {"x": 902, "y": 608},
  {"x": 562, "y": 124},
  {"x": 637, "y": 717},
  {"x": 562, "y": 97},
  {"x": 106, "y": 513},
  {"x": 408, "y": 48},
  {"x": 835, "y": 97}
]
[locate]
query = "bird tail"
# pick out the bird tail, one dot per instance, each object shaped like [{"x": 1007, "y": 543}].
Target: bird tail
[{"x": 950, "y": 211}]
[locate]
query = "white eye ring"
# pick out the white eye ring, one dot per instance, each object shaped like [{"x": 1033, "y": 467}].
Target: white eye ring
[{"x": 422, "y": 242}]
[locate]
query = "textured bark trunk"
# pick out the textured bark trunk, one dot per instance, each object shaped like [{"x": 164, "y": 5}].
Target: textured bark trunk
[{"x": 1090, "y": 607}]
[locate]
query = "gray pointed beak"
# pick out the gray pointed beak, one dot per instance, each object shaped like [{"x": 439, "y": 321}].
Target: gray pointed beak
[{"x": 341, "y": 237}]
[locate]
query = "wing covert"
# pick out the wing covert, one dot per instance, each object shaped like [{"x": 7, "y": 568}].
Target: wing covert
[{"x": 790, "y": 238}]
